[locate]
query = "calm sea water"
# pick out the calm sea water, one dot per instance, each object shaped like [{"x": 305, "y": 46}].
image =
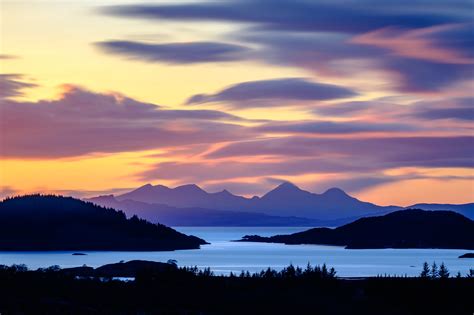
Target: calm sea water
[{"x": 224, "y": 256}]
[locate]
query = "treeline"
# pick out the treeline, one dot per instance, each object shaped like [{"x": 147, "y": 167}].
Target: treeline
[
  {"x": 192, "y": 291},
  {"x": 316, "y": 272},
  {"x": 441, "y": 272},
  {"x": 309, "y": 272}
]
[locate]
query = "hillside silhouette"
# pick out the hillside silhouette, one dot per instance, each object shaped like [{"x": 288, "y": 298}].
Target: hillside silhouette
[
  {"x": 47, "y": 222},
  {"x": 400, "y": 229}
]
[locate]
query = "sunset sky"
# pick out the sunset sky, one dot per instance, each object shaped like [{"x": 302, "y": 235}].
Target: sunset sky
[{"x": 101, "y": 96}]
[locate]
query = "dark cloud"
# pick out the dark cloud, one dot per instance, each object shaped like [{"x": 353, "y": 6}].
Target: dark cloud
[
  {"x": 330, "y": 127},
  {"x": 458, "y": 38},
  {"x": 420, "y": 75},
  {"x": 180, "y": 53},
  {"x": 427, "y": 46},
  {"x": 297, "y": 15},
  {"x": 13, "y": 85},
  {"x": 461, "y": 109},
  {"x": 326, "y": 53},
  {"x": 278, "y": 91},
  {"x": 82, "y": 122},
  {"x": 357, "y": 108},
  {"x": 460, "y": 113},
  {"x": 311, "y": 51}
]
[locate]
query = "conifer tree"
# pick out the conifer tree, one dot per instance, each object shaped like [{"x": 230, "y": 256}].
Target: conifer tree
[
  {"x": 425, "y": 273},
  {"x": 434, "y": 271},
  {"x": 443, "y": 271}
]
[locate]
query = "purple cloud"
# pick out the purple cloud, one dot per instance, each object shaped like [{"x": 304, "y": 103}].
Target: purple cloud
[
  {"x": 347, "y": 161},
  {"x": 407, "y": 38},
  {"x": 458, "y": 109},
  {"x": 373, "y": 153},
  {"x": 13, "y": 85},
  {"x": 330, "y": 127},
  {"x": 82, "y": 122},
  {"x": 225, "y": 170},
  {"x": 460, "y": 113},
  {"x": 421, "y": 75},
  {"x": 277, "y": 91},
  {"x": 179, "y": 53},
  {"x": 295, "y": 15},
  {"x": 359, "y": 108},
  {"x": 323, "y": 53}
]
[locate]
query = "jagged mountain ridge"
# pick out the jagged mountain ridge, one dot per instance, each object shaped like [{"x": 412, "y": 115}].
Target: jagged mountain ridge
[{"x": 285, "y": 200}]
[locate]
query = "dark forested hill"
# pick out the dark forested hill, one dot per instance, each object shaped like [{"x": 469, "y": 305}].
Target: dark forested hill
[
  {"x": 39, "y": 222},
  {"x": 400, "y": 229}
]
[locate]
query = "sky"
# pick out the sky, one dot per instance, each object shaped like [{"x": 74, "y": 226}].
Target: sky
[{"x": 103, "y": 96}]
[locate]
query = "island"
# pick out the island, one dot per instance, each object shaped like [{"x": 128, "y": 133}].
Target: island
[
  {"x": 467, "y": 255},
  {"x": 48, "y": 222},
  {"x": 411, "y": 228},
  {"x": 122, "y": 269}
]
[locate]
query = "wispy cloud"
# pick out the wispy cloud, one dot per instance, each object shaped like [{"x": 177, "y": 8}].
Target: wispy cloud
[
  {"x": 274, "y": 93},
  {"x": 82, "y": 122},
  {"x": 412, "y": 43},
  {"x": 13, "y": 85},
  {"x": 179, "y": 53}
]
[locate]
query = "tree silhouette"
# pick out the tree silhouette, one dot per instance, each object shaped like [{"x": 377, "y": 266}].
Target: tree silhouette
[
  {"x": 173, "y": 262},
  {"x": 434, "y": 271},
  {"x": 425, "y": 273},
  {"x": 443, "y": 271}
]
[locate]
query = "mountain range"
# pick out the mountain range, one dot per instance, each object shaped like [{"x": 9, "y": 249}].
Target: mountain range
[
  {"x": 285, "y": 200},
  {"x": 286, "y": 204}
]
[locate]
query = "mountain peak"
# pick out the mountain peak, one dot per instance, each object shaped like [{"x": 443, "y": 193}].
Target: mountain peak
[
  {"x": 334, "y": 191},
  {"x": 188, "y": 188},
  {"x": 287, "y": 186},
  {"x": 145, "y": 187},
  {"x": 284, "y": 190}
]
